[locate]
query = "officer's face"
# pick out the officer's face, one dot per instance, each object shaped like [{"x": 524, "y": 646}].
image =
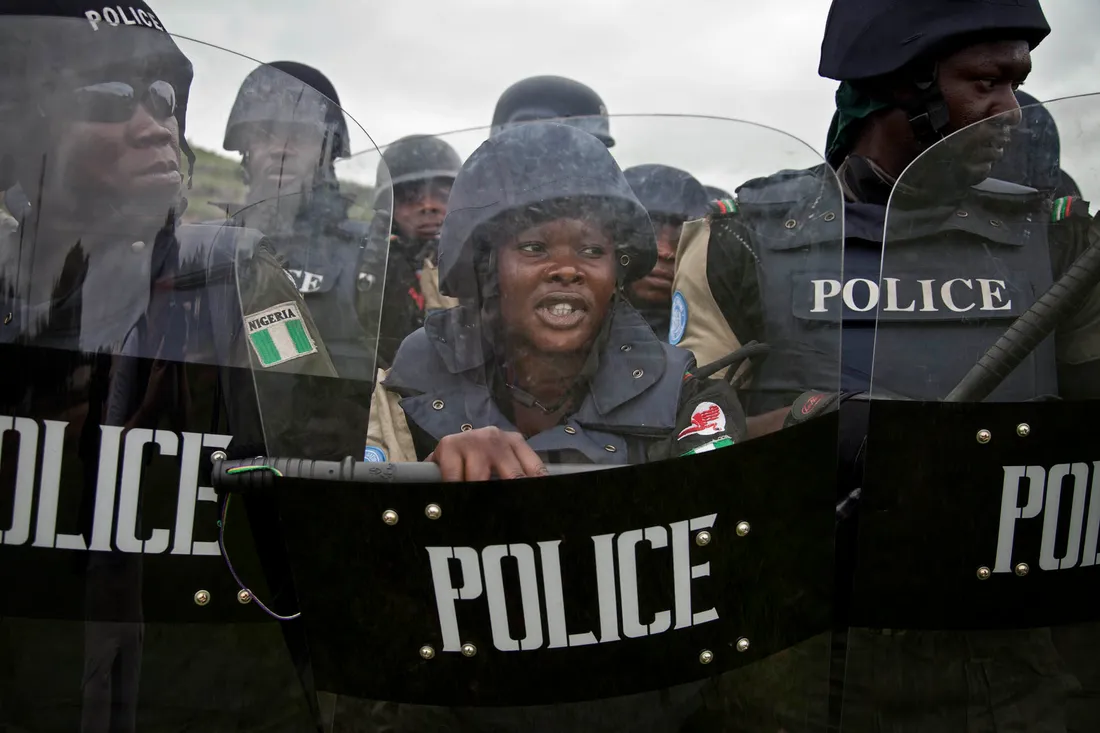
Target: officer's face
[
  {"x": 284, "y": 156},
  {"x": 419, "y": 207},
  {"x": 556, "y": 284},
  {"x": 979, "y": 82},
  {"x": 656, "y": 287},
  {"x": 139, "y": 157}
]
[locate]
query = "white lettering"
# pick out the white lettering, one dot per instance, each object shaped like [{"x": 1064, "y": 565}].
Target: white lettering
[
  {"x": 1092, "y": 531},
  {"x": 111, "y": 16},
  {"x": 133, "y": 454},
  {"x": 1080, "y": 473},
  {"x": 122, "y": 14},
  {"x": 19, "y": 530},
  {"x": 190, "y": 492},
  {"x": 110, "y": 440},
  {"x": 156, "y": 22},
  {"x": 1011, "y": 512},
  {"x": 683, "y": 572},
  {"x": 892, "y": 297},
  {"x": 491, "y": 558},
  {"x": 849, "y": 294},
  {"x": 311, "y": 282},
  {"x": 657, "y": 537},
  {"x": 821, "y": 295},
  {"x": 605, "y": 587},
  {"x": 948, "y": 300},
  {"x": 446, "y": 593},
  {"x": 49, "y": 492},
  {"x": 141, "y": 15},
  {"x": 555, "y": 601},
  {"x": 988, "y": 294},
  {"x": 928, "y": 300},
  {"x": 93, "y": 18}
]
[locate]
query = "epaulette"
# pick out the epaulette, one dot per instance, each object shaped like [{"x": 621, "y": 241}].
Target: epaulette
[
  {"x": 723, "y": 207},
  {"x": 1068, "y": 206}
]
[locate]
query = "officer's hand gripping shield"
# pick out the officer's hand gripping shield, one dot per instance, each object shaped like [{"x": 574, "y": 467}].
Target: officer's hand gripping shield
[
  {"x": 694, "y": 589},
  {"x": 978, "y": 520},
  {"x": 127, "y": 370}
]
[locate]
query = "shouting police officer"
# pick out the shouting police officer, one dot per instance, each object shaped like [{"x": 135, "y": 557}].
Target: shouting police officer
[
  {"x": 128, "y": 342},
  {"x": 288, "y": 155}
]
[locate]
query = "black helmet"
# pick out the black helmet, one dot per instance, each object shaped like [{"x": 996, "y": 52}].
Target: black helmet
[
  {"x": 871, "y": 38},
  {"x": 256, "y": 102},
  {"x": 539, "y": 165},
  {"x": 59, "y": 44},
  {"x": 669, "y": 192},
  {"x": 715, "y": 194},
  {"x": 418, "y": 158},
  {"x": 553, "y": 97},
  {"x": 1033, "y": 154}
]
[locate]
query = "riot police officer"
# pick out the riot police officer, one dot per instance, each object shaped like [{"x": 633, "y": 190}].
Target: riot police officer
[
  {"x": 131, "y": 344},
  {"x": 672, "y": 197},
  {"x": 543, "y": 235},
  {"x": 288, "y": 156},
  {"x": 910, "y": 73},
  {"x": 553, "y": 97},
  {"x": 421, "y": 170}
]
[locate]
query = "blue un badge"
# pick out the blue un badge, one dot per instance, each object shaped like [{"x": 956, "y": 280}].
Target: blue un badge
[
  {"x": 374, "y": 455},
  {"x": 679, "y": 320}
]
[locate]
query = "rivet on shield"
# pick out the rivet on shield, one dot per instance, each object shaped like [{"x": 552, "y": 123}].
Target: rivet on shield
[
  {"x": 703, "y": 538},
  {"x": 389, "y": 517},
  {"x": 742, "y": 644},
  {"x": 1022, "y": 569},
  {"x": 984, "y": 436},
  {"x": 202, "y": 597},
  {"x": 1023, "y": 430},
  {"x": 218, "y": 455},
  {"x": 426, "y": 652},
  {"x": 469, "y": 650},
  {"x": 706, "y": 656},
  {"x": 244, "y": 595},
  {"x": 433, "y": 511},
  {"x": 984, "y": 573},
  {"x": 743, "y": 529}
]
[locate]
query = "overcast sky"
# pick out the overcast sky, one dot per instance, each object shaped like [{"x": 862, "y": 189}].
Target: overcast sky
[{"x": 430, "y": 66}]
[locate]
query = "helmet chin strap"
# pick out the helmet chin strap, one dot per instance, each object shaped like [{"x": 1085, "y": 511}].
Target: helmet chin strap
[{"x": 928, "y": 113}]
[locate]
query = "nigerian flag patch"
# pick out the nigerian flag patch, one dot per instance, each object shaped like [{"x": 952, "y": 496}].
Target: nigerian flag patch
[{"x": 279, "y": 334}]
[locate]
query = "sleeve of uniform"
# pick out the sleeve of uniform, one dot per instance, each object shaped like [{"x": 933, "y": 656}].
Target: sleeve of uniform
[
  {"x": 429, "y": 288},
  {"x": 1078, "y": 337},
  {"x": 388, "y": 434},
  {"x": 709, "y": 417},
  {"x": 715, "y": 303}
]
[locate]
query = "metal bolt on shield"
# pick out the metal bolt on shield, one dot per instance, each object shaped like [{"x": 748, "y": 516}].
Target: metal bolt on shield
[
  {"x": 983, "y": 573},
  {"x": 202, "y": 597},
  {"x": 426, "y": 652},
  {"x": 244, "y": 596},
  {"x": 1022, "y": 569},
  {"x": 742, "y": 644},
  {"x": 703, "y": 538},
  {"x": 468, "y": 650},
  {"x": 1023, "y": 430},
  {"x": 706, "y": 656},
  {"x": 984, "y": 436},
  {"x": 389, "y": 517},
  {"x": 743, "y": 529},
  {"x": 433, "y": 511}
]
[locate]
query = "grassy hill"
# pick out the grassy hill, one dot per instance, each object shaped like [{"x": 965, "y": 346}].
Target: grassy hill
[{"x": 218, "y": 178}]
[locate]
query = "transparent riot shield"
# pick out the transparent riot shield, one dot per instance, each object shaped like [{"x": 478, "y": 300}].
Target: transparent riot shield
[
  {"x": 978, "y": 517},
  {"x": 685, "y": 584},
  {"x": 127, "y": 370}
]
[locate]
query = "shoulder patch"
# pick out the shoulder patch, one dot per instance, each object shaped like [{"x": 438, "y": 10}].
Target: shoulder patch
[
  {"x": 1068, "y": 206},
  {"x": 679, "y": 320},
  {"x": 723, "y": 207},
  {"x": 374, "y": 455},
  {"x": 706, "y": 419},
  {"x": 708, "y": 447},
  {"x": 279, "y": 334}
]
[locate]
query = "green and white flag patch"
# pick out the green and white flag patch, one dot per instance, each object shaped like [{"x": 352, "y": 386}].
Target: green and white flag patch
[{"x": 279, "y": 334}]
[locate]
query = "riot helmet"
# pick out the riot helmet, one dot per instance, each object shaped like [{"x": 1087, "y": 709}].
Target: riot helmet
[
  {"x": 866, "y": 44},
  {"x": 668, "y": 192},
  {"x": 715, "y": 194},
  {"x": 534, "y": 173},
  {"x": 553, "y": 97}
]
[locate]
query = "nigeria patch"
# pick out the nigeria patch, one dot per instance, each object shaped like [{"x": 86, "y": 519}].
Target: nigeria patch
[
  {"x": 708, "y": 447},
  {"x": 679, "y": 321},
  {"x": 374, "y": 455},
  {"x": 279, "y": 334}
]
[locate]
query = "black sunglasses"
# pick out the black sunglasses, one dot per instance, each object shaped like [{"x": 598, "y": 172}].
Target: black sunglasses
[{"x": 116, "y": 101}]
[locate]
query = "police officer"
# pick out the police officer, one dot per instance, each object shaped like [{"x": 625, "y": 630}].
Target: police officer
[
  {"x": 672, "y": 197},
  {"x": 130, "y": 343},
  {"x": 910, "y": 74},
  {"x": 543, "y": 233},
  {"x": 715, "y": 193},
  {"x": 421, "y": 170},
  {"x": 553, "y": 97},
  {"x": 288, "y": 154}
]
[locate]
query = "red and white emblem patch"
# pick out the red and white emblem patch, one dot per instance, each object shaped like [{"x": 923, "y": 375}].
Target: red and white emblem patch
[{"x": 707, "y": 419}]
